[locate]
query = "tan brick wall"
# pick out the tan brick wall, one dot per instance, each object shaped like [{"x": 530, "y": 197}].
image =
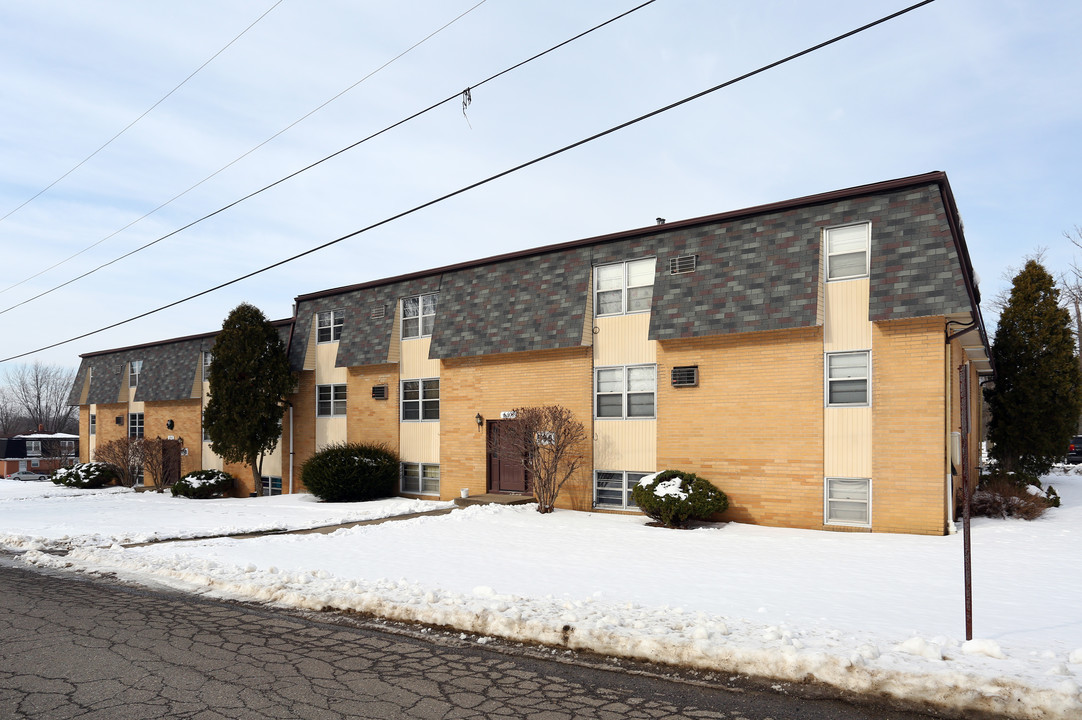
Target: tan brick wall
[
  {"x": 369, "y": 420},
  {"x": 84, "y": 433},
  {"x": 187, "y": 427},
  {"x": 304, "y": 429},
  {"x": 108, "y": 430},
  {"x": 753, "y": 426},
  {"x": 492, "y": 384},
  {"x": 909, "y": 415}
]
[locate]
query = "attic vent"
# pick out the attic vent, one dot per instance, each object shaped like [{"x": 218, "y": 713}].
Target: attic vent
[
  {"x": 378, "y": 312},
  {"x": 685, "y": 376},
  {"x": 379, "y": 392},
  {"x": 683, "y": 264}
]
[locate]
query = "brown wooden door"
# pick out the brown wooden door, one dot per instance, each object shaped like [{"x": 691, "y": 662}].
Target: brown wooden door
[
  {"x": 504, "y": 475},
  {"x": 170, "y": 462}
]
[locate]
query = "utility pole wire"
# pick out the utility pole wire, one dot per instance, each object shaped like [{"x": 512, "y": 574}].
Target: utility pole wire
[
  {"x": 126, "y": 128},
  {"x": 485, "y": 181},
  {"x": 306, "y": 168},
  {"x": 213, "y": 174}
]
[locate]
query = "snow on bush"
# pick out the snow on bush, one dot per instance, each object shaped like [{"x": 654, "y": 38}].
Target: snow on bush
[
  {"x": 86, "y": 475},
  {"x": 674, "y": 498},
  {"x": 203, "y": 484}
]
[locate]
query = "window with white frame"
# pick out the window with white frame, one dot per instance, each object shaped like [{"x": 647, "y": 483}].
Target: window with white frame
[
  {"x": 33, "y": 448},
  {"x": 67, "y": 448},
  {"x": 421, "y": 399},
  {"x": 848, "y": 501},
  {"x": 35, "y": 463},
  {"x": 420, "y": 479},
  {"x": 134, "y": 368},
  {"x": 272, "y": 485},
  {"x": 329, "y": 326},
  {"x": 93, "y": 424},
  {"x": 135, "y": 425},
  {"x": 206, "y": 436},
  {"x": 626, "y": 391},
  {"x": 208, "y": 358},
  {"x": 625, "y": 287},
  {"x": 612, "y": 489},
  {"x": 330, "y": 400},
  {"x": 847, "y": 378},
  {"x": 847, "y": 251},
  {"x": 419, "y": 315}
]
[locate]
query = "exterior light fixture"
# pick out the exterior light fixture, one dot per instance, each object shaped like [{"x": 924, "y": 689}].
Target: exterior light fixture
[
  {"x": 480, "y": 421},
  {"x": 169, "y": 424}
]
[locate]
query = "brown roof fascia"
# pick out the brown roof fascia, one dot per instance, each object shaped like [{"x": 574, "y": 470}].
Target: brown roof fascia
[
  {"x": 170, "y": 341},
  {"x": 832, "y": 196}
]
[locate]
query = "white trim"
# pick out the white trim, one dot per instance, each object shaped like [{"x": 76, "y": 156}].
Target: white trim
[
  {"x": 420, "y": 478},
  {"x": 420, "y": 316},
  {"x": 867, "y": 379},
  {"x": 421, "y": 399},
  {"x": 826, "y": 503},
  {"x": 333, "y": 400},
  {"x": 625, "y": 496},
  {"x": 867, "y": 251},
  {"x": 624, "y": 392},
  {"x": 625, "y": 287},
  {"x": 336, "y": 320}
]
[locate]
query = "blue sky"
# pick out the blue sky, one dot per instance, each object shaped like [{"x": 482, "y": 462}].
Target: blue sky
[{"x": 986, "y": 90}]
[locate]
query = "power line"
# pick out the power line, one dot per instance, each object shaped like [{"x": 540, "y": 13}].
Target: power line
[
  {"x": 216, "y": 172},
  {"x": 128, "y": 127},
  {"x": 222, "y": 209},
  {"x": 489, "y": 179}
]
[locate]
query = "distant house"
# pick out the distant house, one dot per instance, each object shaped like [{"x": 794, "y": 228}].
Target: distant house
[
  {"x": 814, "y": 358},
  {"x": 40, "y": 452}
]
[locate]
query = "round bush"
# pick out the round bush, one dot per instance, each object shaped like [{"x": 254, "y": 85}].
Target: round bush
[
  {"x": 86, "y": 475},
  {"x": 203, "y": 484},
  {"x": 351, "y": 472},
  {"x": 675, "y": 498}
]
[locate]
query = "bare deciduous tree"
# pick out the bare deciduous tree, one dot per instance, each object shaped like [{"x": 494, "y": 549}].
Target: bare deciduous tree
[
  {"x": 12, "y": 421},
  {"x": 40, "y": 393},
  {"x": 126, "y": 455},
  {"x": 549, "y": 443},
  {"x": 153, "y": 462}
]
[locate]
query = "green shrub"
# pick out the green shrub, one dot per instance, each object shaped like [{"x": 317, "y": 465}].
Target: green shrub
[
  {"x": 674, "y": 498},
  {"x": 351, "y": 472},
  {"x": 203, "y": 484},
  {"x": 86, "y": 475}
]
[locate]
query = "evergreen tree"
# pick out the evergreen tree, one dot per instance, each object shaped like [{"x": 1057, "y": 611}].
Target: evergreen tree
[
  {"x": 1037, "y": 396},
  {"x": 249, "y": 382}
]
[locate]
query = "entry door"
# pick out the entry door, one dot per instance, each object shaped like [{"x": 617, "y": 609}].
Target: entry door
[
  {"x": 504, "y": 476},
  {"x": 170, "y": 462}
]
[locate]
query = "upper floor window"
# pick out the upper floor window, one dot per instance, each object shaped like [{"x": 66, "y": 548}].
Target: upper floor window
[
  {"x": 330, "y": 400},
  {"x": 207, "y": 359},
  {"x": 421, "y": 399},
  {"x": 626, "y": 391},
  {"x": 135, "y": 425},
  {"x": 33, "y": 448},
  {"x": 418, "y": 315},
  {"x": 134, "y": 368},
  {"x": 847, "y": 378},
  {"x": 847, "y": 251},
  {"x": 625, "y": 287},
  {"x": 67, "y": 447},
  {"x": 329, "y": 326},
  {"x": 93, "y": 424}
]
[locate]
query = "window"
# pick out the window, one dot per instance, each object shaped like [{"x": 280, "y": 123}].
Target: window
[
  {"x": 330, "y": 400},
  {"x": 847, "y": 378},
  {"x": 420, "y": 479},
  {"x": 625, "y": 392},
  {"x": 207, "y": 359},
  {"x": 272, "y": 485},
  {"x": 329, "y": 326},
  {"x": 67, "y": 448},
  {"x": 35, "y": 463},
  {"x": 134, "y": 368},
  {"x": 847, "y": 251},
  {"x": 418, "y": 315},
  {"x": 135, "y": 425},
  {"x": 624, "y": 287},
  {"x": 33, "y": 448},
  {"x": 93, "y": 424},
  {"x": 613, "y": 489},
  {"x": 847, "y": 501},
  {"x": 421, "y": 399}
]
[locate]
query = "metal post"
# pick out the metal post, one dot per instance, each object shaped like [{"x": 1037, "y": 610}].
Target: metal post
[{"x": 963, "y": 412}]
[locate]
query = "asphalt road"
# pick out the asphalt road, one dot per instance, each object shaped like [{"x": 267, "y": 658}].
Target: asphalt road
[{"x": 74, "y": 647}]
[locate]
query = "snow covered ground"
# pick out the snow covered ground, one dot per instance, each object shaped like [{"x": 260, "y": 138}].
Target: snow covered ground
[{"x": 865, "y": 612}]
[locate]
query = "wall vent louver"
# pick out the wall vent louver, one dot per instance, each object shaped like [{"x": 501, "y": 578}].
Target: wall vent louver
[
  {"x": 685, "y": 376},
  {"x": 683, "y": 264},
  {"x": 379, "y": 392},
  {"x": 378, "y": 312}
]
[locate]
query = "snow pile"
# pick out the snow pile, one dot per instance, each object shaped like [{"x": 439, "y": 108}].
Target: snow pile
[{"x": 867, "y": 613}]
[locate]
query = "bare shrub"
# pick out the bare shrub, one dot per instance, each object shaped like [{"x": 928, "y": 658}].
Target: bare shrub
[
  {"x": 1001, "y": 497},
  {"x": 549, "y": 443},
  {"x": 126, "y": 455}
]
